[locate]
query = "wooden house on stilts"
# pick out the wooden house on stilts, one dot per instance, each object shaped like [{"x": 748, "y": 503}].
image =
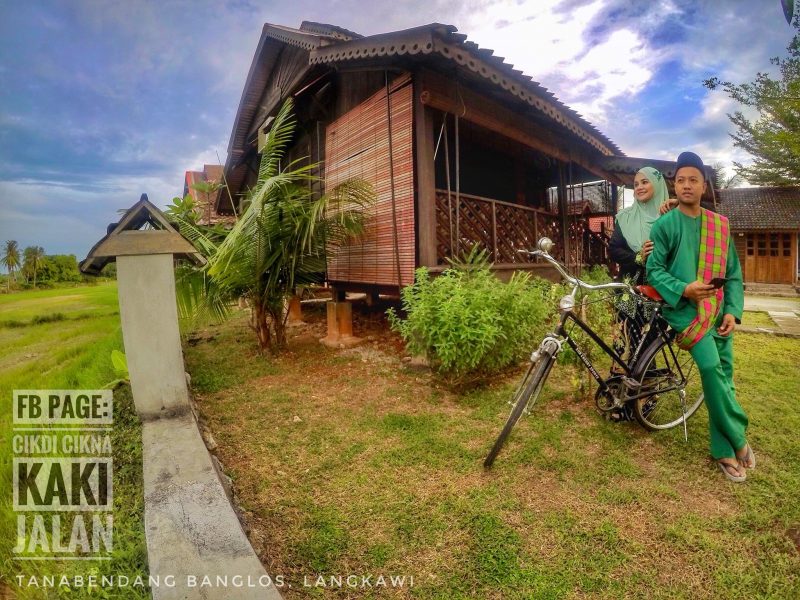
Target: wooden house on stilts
[{"x": 462, "y": 149}]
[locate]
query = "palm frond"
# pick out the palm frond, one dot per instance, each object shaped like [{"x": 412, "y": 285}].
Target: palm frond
[{"x": 278, "y": 139}]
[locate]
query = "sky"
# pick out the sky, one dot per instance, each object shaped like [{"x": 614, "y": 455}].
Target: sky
[{"x": 103, "y": 100}]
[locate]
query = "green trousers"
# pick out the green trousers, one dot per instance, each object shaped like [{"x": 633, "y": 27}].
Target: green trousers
[{"x": 727, "y": 421}]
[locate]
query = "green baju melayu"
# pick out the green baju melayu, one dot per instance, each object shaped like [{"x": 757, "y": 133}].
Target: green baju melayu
[{"x": 671, "y": 266}]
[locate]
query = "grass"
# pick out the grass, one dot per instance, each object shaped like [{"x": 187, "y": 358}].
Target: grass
[
  {"x": 757, "y": 319},
  {"x": 62, "y": 339},
  {"x": 348, "y": 462}
]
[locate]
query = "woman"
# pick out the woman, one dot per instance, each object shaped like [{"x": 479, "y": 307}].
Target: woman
[
  {"x": 629, "y": 247},
  {"x": 630, "y": 244}
]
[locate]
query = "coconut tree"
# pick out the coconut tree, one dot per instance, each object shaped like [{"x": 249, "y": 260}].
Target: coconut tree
[
  {"x": 32, "y": 260},
  {"x": 280, "y": 239},
  {"x": 10, "y": 260}
]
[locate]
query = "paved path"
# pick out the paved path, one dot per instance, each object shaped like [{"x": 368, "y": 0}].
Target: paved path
[
  {"x": 785, "y": 313},
  {"x": 768, "y": 303}
]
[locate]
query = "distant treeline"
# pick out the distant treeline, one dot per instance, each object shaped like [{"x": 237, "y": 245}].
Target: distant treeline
[{"x": 32, "y": 268}]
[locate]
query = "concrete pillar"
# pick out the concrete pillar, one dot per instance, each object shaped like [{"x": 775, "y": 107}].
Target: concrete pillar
[
  {"x": 295, "y": 311},
  {"x": 149, "y": 314},
  {"x": 340, "y": 325},
  {"x": 190, "y": 526}
]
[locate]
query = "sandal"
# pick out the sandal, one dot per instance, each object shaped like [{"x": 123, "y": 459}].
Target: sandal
[
  {"x": 749, "y": 458},
  {"x": 724, "y": 468}
]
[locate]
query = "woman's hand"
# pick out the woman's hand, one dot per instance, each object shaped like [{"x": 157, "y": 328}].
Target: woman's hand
[
  {"x": 647, "y": 248},
  {"x": 699, "y": 291},
  {"x": 667, "y": 205}
]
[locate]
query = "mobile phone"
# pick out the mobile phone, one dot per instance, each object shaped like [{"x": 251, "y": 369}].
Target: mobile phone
[{"x": 718, "y": 282}]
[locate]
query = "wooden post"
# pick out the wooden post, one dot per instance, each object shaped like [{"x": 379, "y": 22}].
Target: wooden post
[
  {"x": 563, "y": 208},
  {"x": 494, "y": 232},
  {"x": 426, "y": 182}
]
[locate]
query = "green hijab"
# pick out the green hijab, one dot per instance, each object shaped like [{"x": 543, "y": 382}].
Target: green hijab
[{"x": 635, "y": 221}]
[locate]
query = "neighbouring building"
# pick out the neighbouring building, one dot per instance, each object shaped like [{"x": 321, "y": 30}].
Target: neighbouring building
[
  {"x": 202, "y": 187},
  {"x": 765, "y": 224}
]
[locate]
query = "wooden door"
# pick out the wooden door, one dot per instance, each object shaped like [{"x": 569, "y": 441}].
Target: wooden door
[
  {"x": 786, "y": 259},
  {"x": 762, "y": 259},
  {"x": 750, "y": 258},
  {"x": 770, "y": 257}
]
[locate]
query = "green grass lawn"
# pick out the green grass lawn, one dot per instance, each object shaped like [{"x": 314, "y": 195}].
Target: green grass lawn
[
  {"x": 348, "y": 462},
  {"x": 62, "y": 339},
  {"x": 757, "y": 319}
]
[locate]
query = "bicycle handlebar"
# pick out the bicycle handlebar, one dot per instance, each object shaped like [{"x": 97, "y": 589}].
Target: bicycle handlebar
[{"x": 574, "y": 281}]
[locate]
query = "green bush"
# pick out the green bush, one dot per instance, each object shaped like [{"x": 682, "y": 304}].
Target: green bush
[{"x": 467, "y": 323}]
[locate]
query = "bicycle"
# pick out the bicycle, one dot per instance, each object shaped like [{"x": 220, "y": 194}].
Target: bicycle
[{"x": 652, "y": 380}]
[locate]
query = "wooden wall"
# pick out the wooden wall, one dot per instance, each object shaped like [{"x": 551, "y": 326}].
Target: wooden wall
[{"x": 767, "y": 256}]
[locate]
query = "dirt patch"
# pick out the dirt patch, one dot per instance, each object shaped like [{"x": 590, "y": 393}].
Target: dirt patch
[{"x": 794, "y": 535}]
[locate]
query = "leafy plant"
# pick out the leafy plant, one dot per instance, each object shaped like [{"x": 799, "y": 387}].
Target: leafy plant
[
  {"x": 469, "y": 324},
  {"x": 120, "y": 363},
  {"x": 279, "y": 241}
]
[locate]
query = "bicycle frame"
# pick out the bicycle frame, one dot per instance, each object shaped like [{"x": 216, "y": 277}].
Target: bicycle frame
[
  {"x": 627, "y": 367},
  {"x": 543, "y": 359}
]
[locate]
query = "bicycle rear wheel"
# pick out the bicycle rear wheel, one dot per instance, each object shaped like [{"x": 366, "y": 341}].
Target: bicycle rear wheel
[
  {"x": 658, "y": 372},
  {"x": 526, "y": 395}
]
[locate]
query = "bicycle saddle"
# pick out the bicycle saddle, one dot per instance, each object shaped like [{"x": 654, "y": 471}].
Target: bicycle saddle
[{"x": 650, "y": 292}]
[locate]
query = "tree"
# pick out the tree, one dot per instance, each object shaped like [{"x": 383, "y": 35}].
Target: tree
[
  {"x": 278, "y": 243},
  {"x": 722, "y": 180},
  {"x": 32, "y": 262},
  {"x": 63, "y": 268},
  {"x": 774, "y": 138},
  {"x": 10, "y": 260}
]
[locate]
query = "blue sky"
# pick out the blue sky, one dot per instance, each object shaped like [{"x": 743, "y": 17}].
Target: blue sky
[{"x": 103, "y": 100}]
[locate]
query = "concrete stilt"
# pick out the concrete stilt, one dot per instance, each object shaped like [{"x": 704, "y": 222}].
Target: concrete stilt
[
  {"x": 340, "y": 326},
  {"x": 295, "y": 311}
]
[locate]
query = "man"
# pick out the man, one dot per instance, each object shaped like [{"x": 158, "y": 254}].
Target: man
[{"x": 691, "y": 247}]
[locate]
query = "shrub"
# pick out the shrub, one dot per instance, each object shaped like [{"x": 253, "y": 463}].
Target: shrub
[
  {"x": 51, "y": 318},
  {"x": 469, "y": 324}
]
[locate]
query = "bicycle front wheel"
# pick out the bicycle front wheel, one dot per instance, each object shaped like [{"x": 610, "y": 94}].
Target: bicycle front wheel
[
  {"x": 526, "y": 395},
  {"x": 670, "y": 401}
]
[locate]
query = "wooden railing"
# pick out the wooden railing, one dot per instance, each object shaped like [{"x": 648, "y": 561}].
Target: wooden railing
[{"x": 503, "y": 228}]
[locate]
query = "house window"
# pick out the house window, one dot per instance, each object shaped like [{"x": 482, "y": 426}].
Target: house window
[
  {"x": 751, "y": 243},
  {"x": 787, "y": 244},
  {"x": 762, "y": 244},
  {"x": 774, "y": 239}
]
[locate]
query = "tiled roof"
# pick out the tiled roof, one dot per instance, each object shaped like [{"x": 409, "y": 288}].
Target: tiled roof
[
  {"x": 444, "y": 41},
  {"x": 332, "y": 45},
  {"x": 763, "y": 208}
]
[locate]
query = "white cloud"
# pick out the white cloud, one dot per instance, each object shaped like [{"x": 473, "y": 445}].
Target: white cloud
[{"x": 557, "y": 48}]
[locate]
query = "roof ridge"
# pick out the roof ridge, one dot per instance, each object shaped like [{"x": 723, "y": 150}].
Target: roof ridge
[{"x": 329, "y": 30}]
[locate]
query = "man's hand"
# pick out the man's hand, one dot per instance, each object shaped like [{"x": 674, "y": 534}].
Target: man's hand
[
  {"x": 698, "y": 291},
  {"x": 667, "y": 205},
  {"x": 728, "y": 324}
]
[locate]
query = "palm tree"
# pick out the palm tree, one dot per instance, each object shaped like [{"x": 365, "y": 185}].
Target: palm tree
[
  {"x": 10, "y": 260},
  {"x": 280, "y": 240},
  {"x": 33, "y": 256}
]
